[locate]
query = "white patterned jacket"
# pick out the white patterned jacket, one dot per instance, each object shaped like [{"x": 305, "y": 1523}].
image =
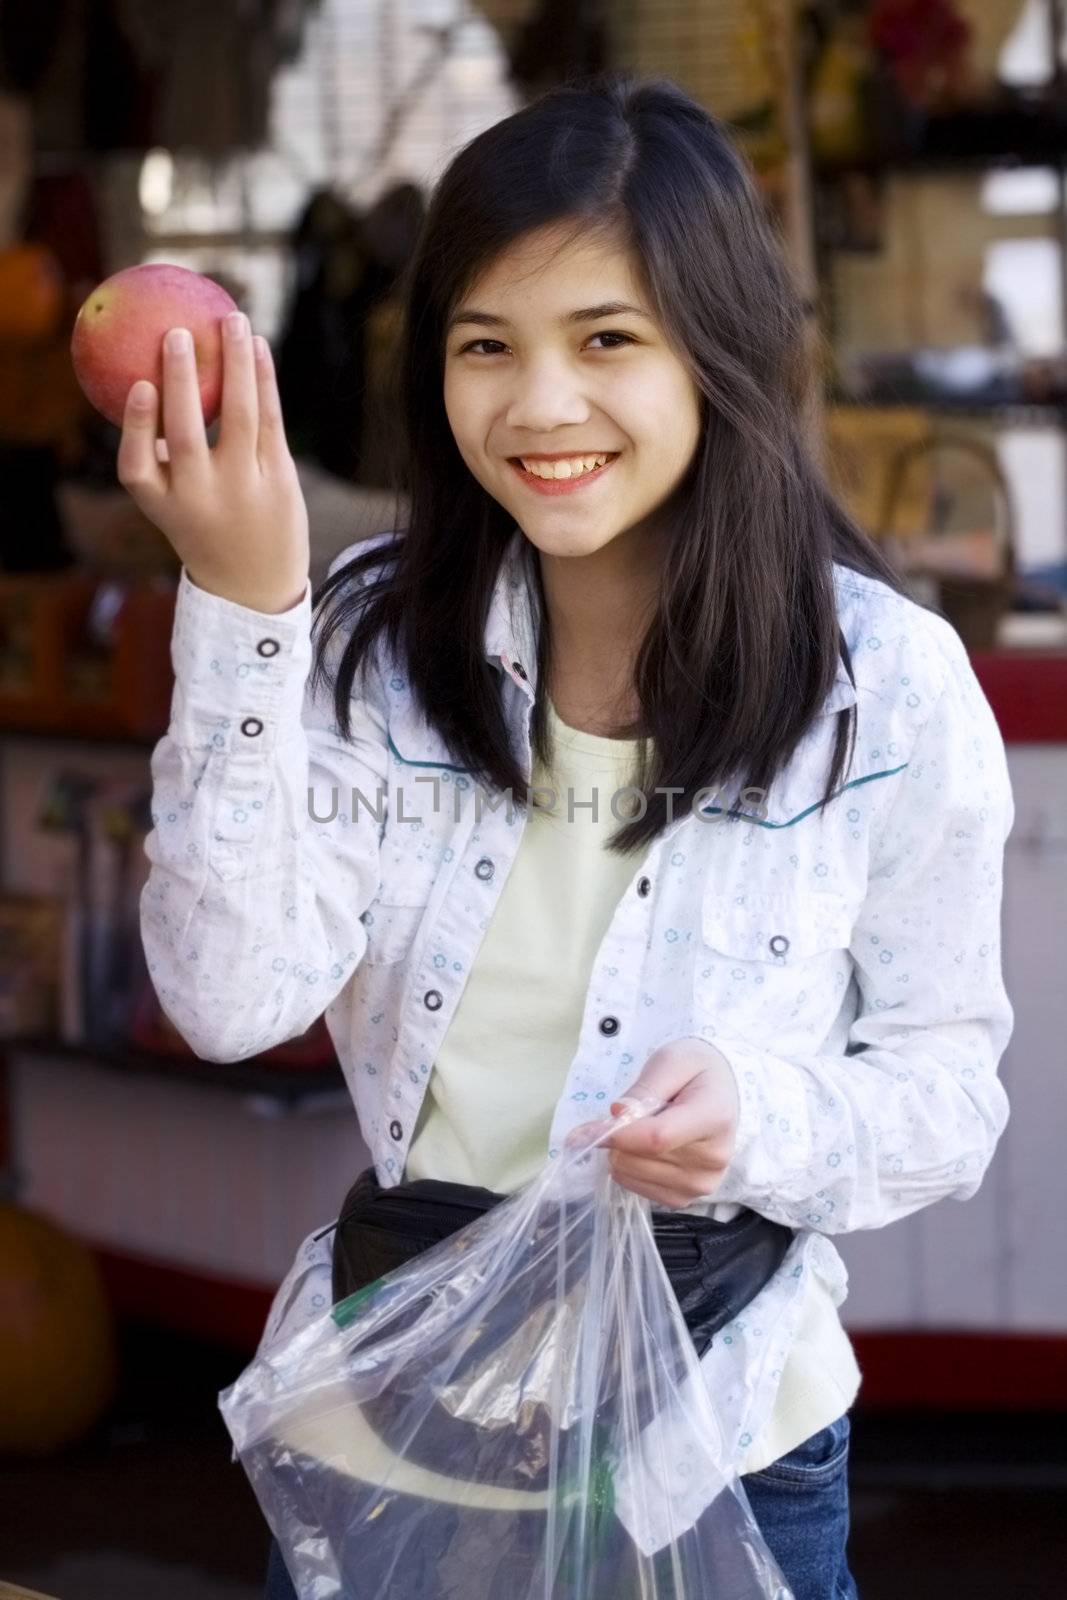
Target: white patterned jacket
[{"x": 846, "y": 962}]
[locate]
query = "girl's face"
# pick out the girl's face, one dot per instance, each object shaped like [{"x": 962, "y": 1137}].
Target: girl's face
[{"x": 526, "y": 376}]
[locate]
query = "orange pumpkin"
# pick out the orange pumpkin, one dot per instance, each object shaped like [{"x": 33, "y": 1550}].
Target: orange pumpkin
[{"x": 58, "y": 1361}]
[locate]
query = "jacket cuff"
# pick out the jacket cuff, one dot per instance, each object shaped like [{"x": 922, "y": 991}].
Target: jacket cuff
[
  {"x": 239, "y": 674},
  {"x": 772, "y": 1154}
]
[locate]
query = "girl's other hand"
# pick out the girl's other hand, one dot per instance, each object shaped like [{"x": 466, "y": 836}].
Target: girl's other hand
[{"x": 678, "y": 1154}]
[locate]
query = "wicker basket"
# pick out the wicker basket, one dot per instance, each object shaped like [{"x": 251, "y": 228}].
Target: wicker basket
[{"x": 974, "y": 604}]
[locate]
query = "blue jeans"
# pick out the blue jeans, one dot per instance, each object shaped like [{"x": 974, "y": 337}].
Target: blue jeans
[{"x": 800, "y": 1503}]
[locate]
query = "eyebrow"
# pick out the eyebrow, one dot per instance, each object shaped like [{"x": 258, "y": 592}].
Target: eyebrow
[{"x": 610, "y": 308}]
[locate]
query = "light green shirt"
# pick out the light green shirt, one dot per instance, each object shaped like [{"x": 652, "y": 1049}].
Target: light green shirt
[
  {"x": 503, "y": 1062},
  {"x": 505, "y": 1057}
]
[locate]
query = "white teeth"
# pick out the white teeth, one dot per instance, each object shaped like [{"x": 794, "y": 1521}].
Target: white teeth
[{"x": 572, "y": 468}]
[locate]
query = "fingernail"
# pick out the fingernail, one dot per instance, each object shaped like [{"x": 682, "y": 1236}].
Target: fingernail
[
  {"x": 178, "y": 341},
  {"x": 141, "y": 394},
  {"x": 236, "y": 324},
  {"x": 636, "y": 1104}
]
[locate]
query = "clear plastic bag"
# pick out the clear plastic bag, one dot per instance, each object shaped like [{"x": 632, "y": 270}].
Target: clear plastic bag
[{"x": 518, "y": 1412}]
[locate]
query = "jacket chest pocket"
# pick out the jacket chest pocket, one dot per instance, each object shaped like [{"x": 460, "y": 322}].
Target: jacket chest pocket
[
  {"x": 410, "y": 857},
  {"x": 775, "y": 959},
  {"x": 392, "y": 928},
  {"x": 395, "y": 915},
  {"x": 415, "y": 855}
]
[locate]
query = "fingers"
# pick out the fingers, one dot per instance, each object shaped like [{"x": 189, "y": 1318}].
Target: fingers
[
  {"x": 664, "y": 1181},
  {"x": 273, "y": 448},
  {"x": 139, "y": 470},
  {"x": 587, "y": 1134},
  {"x": 239, "y": 423},
  {"x": 659, "y": 1132},
  {"x": 183, "y": 414}
]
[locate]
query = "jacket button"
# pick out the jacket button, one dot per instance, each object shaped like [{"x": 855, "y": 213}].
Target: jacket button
[
  {"x": 484, "y": 869},
  {"x": 251, "y": 726},
  {"x": 779, "y": 944},
  {"x": 432, "y": 1000},
  {"x": 396, "y": 1129},
  {"x": 268, "y": 647},
  {"x": 643, "y": 886},
  {"x": 609, "y": 1025},
  {"x": 519, "y": 668}
]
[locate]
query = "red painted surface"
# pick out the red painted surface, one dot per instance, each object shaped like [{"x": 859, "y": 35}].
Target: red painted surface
[
  {"x": 220, "y": 1309},
  {"x": 1028, "y": 693},
  {"x": 901, "y": 1368},
  {"x": 950, "y": 1370}
]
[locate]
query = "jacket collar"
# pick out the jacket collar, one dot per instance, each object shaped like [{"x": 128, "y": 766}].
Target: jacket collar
[{"x": 511, "y": 624}]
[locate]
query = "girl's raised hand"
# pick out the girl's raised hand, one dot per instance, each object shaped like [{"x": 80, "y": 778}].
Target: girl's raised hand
[{"x": 235, "y": 514}]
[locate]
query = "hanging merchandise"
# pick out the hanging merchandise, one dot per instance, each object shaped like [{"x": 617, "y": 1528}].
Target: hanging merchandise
[
  {"x": 339, "y": 279},
  {"x": 502, "y": 1415},
  {"x": 837, "y": 116},
  {"x": 319, "y": 352},
  {"x": 390, "y": 229},
  {"x": 130, "y": 75},
  {"x": 212, "y": 63},
  {"x": 108, "y": 818},
  {"x": 926, "y": 44},
  {"x": 42, "y": 412}
]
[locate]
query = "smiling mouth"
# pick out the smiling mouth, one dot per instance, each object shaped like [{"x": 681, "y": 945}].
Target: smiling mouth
[{"x": 548, "y": 475}]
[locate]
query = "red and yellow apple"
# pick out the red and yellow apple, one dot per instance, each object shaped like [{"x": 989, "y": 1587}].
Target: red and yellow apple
[{"x": 118, "y": 334}]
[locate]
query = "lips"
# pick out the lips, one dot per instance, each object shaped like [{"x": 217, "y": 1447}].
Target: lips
[{"x": 557, "y": 486}]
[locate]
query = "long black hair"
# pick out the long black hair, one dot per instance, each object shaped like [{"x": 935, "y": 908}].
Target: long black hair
[{"x": 745, "y": 642}]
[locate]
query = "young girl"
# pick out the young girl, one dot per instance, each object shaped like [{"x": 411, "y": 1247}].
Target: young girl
[{"x": 680, "y": 793}]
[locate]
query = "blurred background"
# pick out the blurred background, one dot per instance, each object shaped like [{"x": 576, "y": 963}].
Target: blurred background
[{"x": 914, "y": 153}]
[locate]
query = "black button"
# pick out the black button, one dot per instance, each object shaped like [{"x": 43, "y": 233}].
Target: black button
[
  {"x": 779, "y": 944},
  {"x": 396, "y": 1130},
  {"x": 432, "y": 1000},
  {"x": 251, "y": 726},
  {"x": 643, "y": 886},
  {"x": 609, "y": 1025},
  {"x": 519, "y": 668},
  {"x": 268, "y": 647},
  {"x": 484, "y": 869}
]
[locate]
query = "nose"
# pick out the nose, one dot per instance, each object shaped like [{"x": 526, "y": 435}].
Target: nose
[{"x": 545, "y": 396}]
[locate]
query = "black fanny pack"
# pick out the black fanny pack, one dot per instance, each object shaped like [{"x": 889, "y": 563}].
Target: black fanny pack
[{"x": 715, "y": 1268}]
